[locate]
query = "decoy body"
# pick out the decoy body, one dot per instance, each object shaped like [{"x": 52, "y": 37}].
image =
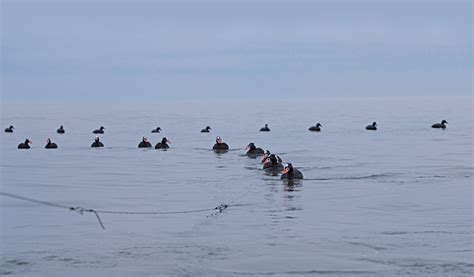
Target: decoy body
[
  {"x": 253, "y": 151},
  {"x": 372, "y": 127},
  {"x": 265, "y": 128},
  {"x": 291, "y": 173},
  {"x": 163, "y": 144},
  {"x": 9, "y": 129},
  {"x": 220, "y": 146},
  {"x": 441, "y": 125},
  {"x": 273, "y": 164},
  {"x": 157, "y": 130},
  {"x": 206, "y": 130},
  {"x": 316, "y": 128},
  {"x": 61, "y": 130},
  {"x": 99, "y": 131},
  {"x": 24, "y": 145},
  {"x": 50, "y": 145},
  {"x": 97, "y": 143},
  {"x": 144, "y": 143}
]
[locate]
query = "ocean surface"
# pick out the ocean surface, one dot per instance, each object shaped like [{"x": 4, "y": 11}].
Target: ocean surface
[{"x": 395, "y": 202}]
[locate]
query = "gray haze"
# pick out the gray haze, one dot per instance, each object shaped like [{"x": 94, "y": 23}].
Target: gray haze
[{"x": 70, "y": 51}]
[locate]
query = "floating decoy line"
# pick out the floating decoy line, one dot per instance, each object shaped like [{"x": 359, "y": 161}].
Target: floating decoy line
[{"x": 80, "y": 210}]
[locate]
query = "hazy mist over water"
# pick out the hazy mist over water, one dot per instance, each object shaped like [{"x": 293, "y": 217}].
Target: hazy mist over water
[
  {"x": 56, "y": 51},
  {"x": 398, "y": 201}
]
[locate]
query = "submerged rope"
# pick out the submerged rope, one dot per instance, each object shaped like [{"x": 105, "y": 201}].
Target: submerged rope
[{"x": 82, "y": 210}]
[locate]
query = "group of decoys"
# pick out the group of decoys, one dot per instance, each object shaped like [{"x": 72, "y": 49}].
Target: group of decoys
[
  {"x": 272, "y": 164},
  {"x": 26, "y": 144},
  {"x": 163, "y": 144}
]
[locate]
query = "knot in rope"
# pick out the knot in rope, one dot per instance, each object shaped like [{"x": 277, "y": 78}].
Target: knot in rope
[{"x": 221, "y": 207}]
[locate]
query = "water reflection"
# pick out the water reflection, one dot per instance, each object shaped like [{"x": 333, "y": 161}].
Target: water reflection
[{"x": 292, "y": 185}]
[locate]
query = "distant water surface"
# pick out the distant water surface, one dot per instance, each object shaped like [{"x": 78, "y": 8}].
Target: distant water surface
[{"x": 398, "y": 201}]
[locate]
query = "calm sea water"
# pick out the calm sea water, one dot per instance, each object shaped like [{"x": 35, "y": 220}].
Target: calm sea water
[{"x": 398, "y": 201}]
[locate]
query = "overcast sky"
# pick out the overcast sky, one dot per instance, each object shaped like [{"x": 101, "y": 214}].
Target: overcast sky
[{"x": 137, "y": 50}]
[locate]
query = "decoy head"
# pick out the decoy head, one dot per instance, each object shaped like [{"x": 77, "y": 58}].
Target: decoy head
[
  {"x": 101, "y": 128},
  {"x": 144, "y": 139},
  {"x": 97, "y": 139},
  {"x": 319, "y": 125},
  {"x": 165, "y": 140},
  {"x": 251, "y": 146},
  {"x": 27, "y": 141},
  {"x": 374, "y": 123},
  {"x": 444, "y": 122},
  {"x": 288, "y": 168},
  {"x": 218, "y": 140},
  {"x": 265, "y": 156},
  {"x": 48, "y": 141},
  {"x": 273, "y": 159}
]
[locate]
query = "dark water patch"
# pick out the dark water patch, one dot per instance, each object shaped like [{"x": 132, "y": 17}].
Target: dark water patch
[
  {"x": 430, "y": 176},
  {"x": 11, "y": 166},
  {"x": 417, "y": 266},
  {"x": 290, "y": 209},
  {"x": 77, "y": 262},
  {"x": 51, "y": 258},
  {"x": 372, "y": 176},
  {"x": 12, "y": 266},
  {"x": 462, "y": 251},
  {"x": 253, "y": 168},
  {"x": 373, "y": 247},
  {"x": 203, "y": 149},
  {"x": 334, "y": 166},
  {"x": 5, "y": 272},
  {"x": 398, "y": 233},
  {"x": 17, "y": 262},
  {"x": 304, "y": 272},
  {"x": 124, "y": 253},
  {"x": 269, "y": 173},
  {"x": 22, "y": 226}
]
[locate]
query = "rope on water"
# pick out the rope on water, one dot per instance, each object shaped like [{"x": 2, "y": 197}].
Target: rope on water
[{"x": 82, "y": 210}]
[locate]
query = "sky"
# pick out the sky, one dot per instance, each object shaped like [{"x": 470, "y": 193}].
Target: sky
[{"x": 71, "y": 51}]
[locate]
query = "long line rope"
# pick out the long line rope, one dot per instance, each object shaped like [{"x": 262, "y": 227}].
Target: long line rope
[{"x": 82, "y": 210}]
